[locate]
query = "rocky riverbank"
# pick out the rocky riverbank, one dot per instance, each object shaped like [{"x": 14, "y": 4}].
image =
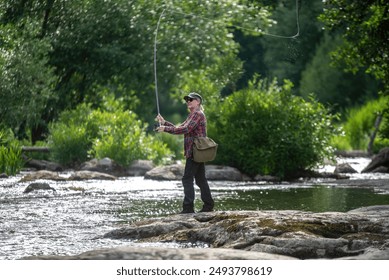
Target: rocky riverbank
[{"x": 358, "y": 234}]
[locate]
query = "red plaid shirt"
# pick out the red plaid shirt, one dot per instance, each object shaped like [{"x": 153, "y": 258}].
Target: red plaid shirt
[{"x": 194, "y": 126}]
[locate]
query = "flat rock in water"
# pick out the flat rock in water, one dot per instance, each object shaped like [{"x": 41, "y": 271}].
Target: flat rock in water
[
  {"x": 298, "y": 234},
  {"x": 154, "y": 253},
  {"x": 42, "y": 175},
  {"x": 359, "y": 234},
  {"x": 90, "y": 175},
  {"x": 76, "y": 176}
]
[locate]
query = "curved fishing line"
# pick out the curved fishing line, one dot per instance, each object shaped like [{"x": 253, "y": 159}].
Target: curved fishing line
[
  {"x": 248, "y": 29},
  {"x": 208, "y": 19}
]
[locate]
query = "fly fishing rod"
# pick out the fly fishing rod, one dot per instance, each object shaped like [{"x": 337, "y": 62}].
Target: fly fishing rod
[{"x": 155, "y": 60}]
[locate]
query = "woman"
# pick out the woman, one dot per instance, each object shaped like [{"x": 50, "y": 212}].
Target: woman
[{"x": 194, "y": 126}]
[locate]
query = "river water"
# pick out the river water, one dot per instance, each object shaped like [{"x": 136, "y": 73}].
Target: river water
[{"x": 72, "y": 219}]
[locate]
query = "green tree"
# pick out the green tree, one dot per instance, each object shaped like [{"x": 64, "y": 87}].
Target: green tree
[
  {"x": 109, "y": 43},
  {"x": 330, "y": 84},
  {"x": 364, "y": 25},
  {"x": 26, "y": 79}
]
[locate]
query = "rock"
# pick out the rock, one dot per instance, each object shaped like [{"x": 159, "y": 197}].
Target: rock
[
  {"x": 42, "y": 175},
  {"x": 375, "y": 209},
  {"x": 371, "y": 254},
  {"x": 76, "y": 176},
  {"x": 3, "y": 175},
  {"x": 298, "y": 234},
  {"x": 223, "y": 173},
  {"x": 213, "y": 172},
  {"x": 90, "y": 175},
  {"x": 344, "y": 168},
  {"x": 266, "y": 178},
  {"x": 43, "y": 165},
  {"x": 38, "y": 186},
  {"x": 140, "y": 167},
  {"x": 381, "y": 159},
  {"x": 105, "y": 165},
  {"x": 380, "y": 169},
  {"x": 169, "y": 172},
  {"x": 153, "y": 253}
]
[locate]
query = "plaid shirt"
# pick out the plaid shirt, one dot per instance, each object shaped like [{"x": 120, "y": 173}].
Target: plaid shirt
[{"x": 194, "y": 126}]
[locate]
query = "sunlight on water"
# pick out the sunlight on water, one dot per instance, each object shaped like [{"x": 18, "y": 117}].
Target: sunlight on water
[{"x": 73, "y": 219}]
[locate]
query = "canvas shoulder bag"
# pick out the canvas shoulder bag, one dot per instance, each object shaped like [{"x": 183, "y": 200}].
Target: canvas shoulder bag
[{"x": 204, "y": 149}]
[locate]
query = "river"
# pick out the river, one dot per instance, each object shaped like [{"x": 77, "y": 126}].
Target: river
[{"x": 72, "y": 219}]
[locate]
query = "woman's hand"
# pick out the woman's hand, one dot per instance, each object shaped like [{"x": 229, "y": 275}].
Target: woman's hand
[
  {"x": 160, "y": 119},
  {"x": 160, "y": 128}
]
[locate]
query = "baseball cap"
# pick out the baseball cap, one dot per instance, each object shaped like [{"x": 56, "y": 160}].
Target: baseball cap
[{"x": 194, "y": 95}]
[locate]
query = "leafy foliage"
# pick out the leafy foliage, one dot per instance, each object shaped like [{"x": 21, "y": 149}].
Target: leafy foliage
[
  {"x": 331, "y": 84},
  {"x": 26, "y": 79},
  {"x": 119, "y": 135},
  {"x": 360, "y": 125},
  {"x": 264, "y": 129},
  {"x": 11, "y": 161},
  {"x": 109, "y": 43},
  {"x": 365, "y": 28}
]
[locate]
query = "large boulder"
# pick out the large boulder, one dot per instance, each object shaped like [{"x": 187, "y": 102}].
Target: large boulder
[
  {"x": 169, "y": 172},
  {"x": 213, "y": 172},
  {"x": 381, "y": 160},
  {"x": 105, "y": 165},
  {"x": 140, "y": 167},
  {"x": 344, "y": 168},
  {"x": 224, "y": 173},
  {"x": 298, "y": 234}
]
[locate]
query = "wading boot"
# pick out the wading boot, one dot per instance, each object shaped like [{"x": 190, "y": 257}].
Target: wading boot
[
  {"x": 206, "y": 208},
  {"x": 187, "y": 209}
]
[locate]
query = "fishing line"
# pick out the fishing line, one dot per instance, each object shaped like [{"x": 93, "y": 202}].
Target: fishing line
[{"x": 208, "y": 19}]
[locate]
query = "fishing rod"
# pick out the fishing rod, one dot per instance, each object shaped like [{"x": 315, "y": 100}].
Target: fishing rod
[{"x": 155, "y": 60}]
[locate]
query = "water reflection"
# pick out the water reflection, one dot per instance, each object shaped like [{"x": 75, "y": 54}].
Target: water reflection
[{"x": 314, "y": 199}]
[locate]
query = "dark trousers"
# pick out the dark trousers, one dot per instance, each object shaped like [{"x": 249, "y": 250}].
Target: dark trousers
[{"x": 195, "y": 170}]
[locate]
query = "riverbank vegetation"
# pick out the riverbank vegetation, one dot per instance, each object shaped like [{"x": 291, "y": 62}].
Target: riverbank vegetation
[
  {"x": 264, "y": 129},
  {"x": 78, "y": 76}
]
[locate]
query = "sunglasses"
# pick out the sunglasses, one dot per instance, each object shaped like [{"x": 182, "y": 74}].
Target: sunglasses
[{"x": 189, "y": 99}]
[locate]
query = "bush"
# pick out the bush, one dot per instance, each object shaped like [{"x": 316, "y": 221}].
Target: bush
[
  {"x": 69, "y": 143},
  {"x": 11, "y": 161},
  {"x": 359, "y": 126},
  {"x": 264, "y": 129},
  {"x": 123, "y": 138},
  {"x": 84, "y": 133}
]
